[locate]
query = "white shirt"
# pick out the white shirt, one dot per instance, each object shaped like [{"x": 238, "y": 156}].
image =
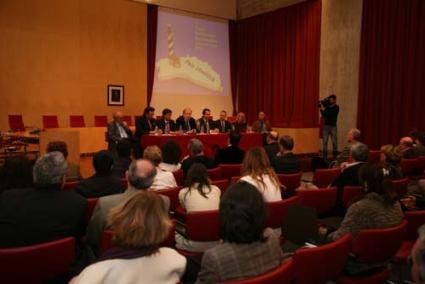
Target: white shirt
[
  {"x": 169, "y": 167},
  {"x": 163, "y": 180},
  {"x": 121, "y": 129},
  {"x": 194, "y": 201},
  {"x": 271, "y": 192},
  {"x": 166, "y": 266}
]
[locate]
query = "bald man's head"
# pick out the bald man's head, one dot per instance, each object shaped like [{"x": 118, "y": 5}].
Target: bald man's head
[
  {"x": 141, "y": 174},
  {"x": 406, "y": 142},
  {"x": 187, "y": 113},
  {"x": 118, "y": 116}
]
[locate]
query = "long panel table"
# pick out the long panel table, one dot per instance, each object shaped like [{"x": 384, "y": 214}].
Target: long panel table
[{"x": 210, "y": 141}]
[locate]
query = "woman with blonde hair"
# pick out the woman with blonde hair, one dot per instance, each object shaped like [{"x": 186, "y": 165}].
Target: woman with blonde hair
[
  {"x": 140, "y": 226},
  {"x": 163, "y": 179},
  {"x": 256, "y": 170},
  {"x": 391, "y": 157}
]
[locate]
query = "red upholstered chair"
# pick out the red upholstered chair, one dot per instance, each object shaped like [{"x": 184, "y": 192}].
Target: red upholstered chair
[
  {"x": 401, "y": 186},
  {"x": 70, "y": 185},
  {"x": 322, "y": 264},
  {"x": 323, "y": 200},
  {"x": 374, "y": 156},
  {"x": 277, "y": 210},
  {"x": 76, "y": 121},
  {"x": 222, "y": 184},
  {"x": 50, "y": 121},
  {"x": 235, "y": 179},
  {"x": 37, "y": 263},
  {"x": 290, "y": 181},
  {"x": 215, "y": 174},
  {"x": 325, "y": 177},
  {"x": 229, "y": 171},
  {"x": 350, "y": 193},
  {"x": 281, "y": 275},
  {"x": 16, "y": 123},
  {"x": 375, "y": 246},
  {"x": 91, "y": 204},
  {"x": 127, "y": 118},
  {"x": 178, "y": 175},
  {"x": 412, "y": 168},
  {"x": 100, "y": 120},
  {"x": 414, "y": 220},
  {"x": 173, "y": 195}
]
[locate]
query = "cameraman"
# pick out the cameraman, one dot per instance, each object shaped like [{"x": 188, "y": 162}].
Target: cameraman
[{"x": 329, "y": 110}]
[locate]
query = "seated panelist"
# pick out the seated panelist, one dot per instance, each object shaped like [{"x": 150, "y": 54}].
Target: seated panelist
[
  {"x": 186, "y": 122},
  {"x": 221, "y": 124},
  {"x": 118, "y": 130},
  {"x": 166, "y": 124},
  {"x": 146, "y": 123},
  {"x": 205, "y": 125}
]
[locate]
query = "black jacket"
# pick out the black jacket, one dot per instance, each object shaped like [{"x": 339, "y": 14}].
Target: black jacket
[
  {"x": 32, "y": 216},
  {"x": 227, "y": 126},
  {"x": 100, "y": 185},
  {"x": 208, "y": 162},
  {"x": 181, "y": 123},
  {"x": 114, "y": 136},
  {"x": 330, "y": 114},
  {"x": 230, "y": 155},
  {"x": 161, "y": 125},
  {"x": 272, "y": 150},
  {"x": 205, "y": 125},
  {"x": 143, "y": 127},
  {"x": 286, "y": 164}
]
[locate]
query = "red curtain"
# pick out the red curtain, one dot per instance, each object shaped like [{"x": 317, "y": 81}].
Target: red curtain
[
  {"x": 392, "y": 70},
  {"x": 233, "y": 62},
  {"x": 278, "y": 65},
  {"x": 151, "y": 48}
]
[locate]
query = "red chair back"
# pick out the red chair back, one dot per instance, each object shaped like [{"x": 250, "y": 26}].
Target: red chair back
[
  {"x": 127, "y": 118},
  {"x": 350, "y": 193},
  {"x": 100, "y": 121},
  {"x": 222, "y": 184},
  {"x": 91, "y": 204},
  {"x": 76, "y": 121},
  {"x": 325, "y": 177},
  {"x": 37, "y": 263},
  {"x": 321, "y": 264},
  {"x": 374, "y": 156},
  {"x": 173, "y": 195},
  {"x": 16, "y": 123},
  {"x": 235, "y": 179},
  {"x": 323, "y": 200},
  {"x": 178, "y": 175},
  {"x": 410, "y": 166},
  {"x": 70, "y": 185},
  {"x": 277, "y": 211},
  {"x": 50, "y": 121},
  {"x": 401, "y": 186},
  {"x": 229, "y": 171},
  {"x": 414, "y": 219},
  {"x": 379, "y": 245},
  {"x": 215, "y": 174},
  {"x": 203, "y": 226},
  {"x": 283, "y": 274},
  {"x": 290, "y": 181}
]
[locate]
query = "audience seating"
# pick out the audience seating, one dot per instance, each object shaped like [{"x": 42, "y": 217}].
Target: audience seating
[
  {"x": 401, "y": 186},
  {"x": 290, "y": 181},
  {"x": 321, "y": 264},
  {"x": 91, "y": 204},
  {"x": 76, "y": 121},
  {"x": 215, "y": 174},
  {"x": 178, "y": 175},
  {"x": 16, "y": 123},
  {"x": 50, "y": 121},
  {"x": 70, "y": 185},
  {"x": 282, "y": 275},
  {"x": 235, "y": 179},
  {"x": 277, "y": 210},
  {"x": 412, "y": 168},
  {"x": 350, "y": 193},
  {"x": 323, "y": 200},
  {"x": 127, "y": 119},
  {"x": 414, "y": 220},
  {"x": 325, "y": 177},
  {"x": 375, "y": 246},
  {"x": 374, "y": 156},
  {"x": 222, "y": 184},
  {"x": 173, "y": 195},
  {"x": 37, "y": 263},
  {"x": 229, "y": 171},
  {"x": 100, "y": 121}
]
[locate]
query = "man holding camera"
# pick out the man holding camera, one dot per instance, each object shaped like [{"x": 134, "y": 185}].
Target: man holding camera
[{"x": 329, "y": 111}]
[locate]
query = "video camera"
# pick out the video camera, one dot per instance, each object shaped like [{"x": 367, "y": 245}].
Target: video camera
[{"x": 326, "y": 101}]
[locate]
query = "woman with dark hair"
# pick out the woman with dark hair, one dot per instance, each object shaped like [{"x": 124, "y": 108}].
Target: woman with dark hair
[
  {"x": 16, "y": 173},
  {"x": 197, "y": 195},
  {"x": 248, "y": 249},
  {"x": 171, "y": 153}
]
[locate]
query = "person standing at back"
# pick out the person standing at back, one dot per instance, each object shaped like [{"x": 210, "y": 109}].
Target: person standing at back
[{"x": 329, "y": 111}]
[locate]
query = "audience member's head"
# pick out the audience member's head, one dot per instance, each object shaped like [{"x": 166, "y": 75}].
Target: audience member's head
[
  {"x": 195, "y": 147},
  {"x": 418, "y": 258},
  {"x": 273, "y": 137},
  {"x": 187, "y": 113},
  {"x": 149, "y": 112},
  {"x": 223, "y": 115},
  {"x": 359, "y": 152},
  {"x": 332, "y": 99},
  {"x": 286, "y": 144},
  {"x": 16, "y": 173},
  {"x": 261, "y": 115},
  {"x": 406, "y": 143},
  {"x": 124, "y": 149},
  {"x": 166, "y": 114},
  {"x": 420, "y": 140},
  {"x": 376, "y": 178},
  {"x": 59, "y": 146},
  {"x": 240, "y": 118},
  {"x": 242, "y": 214},
  {"x": 391, "y": 155},
  {"x": 141, "y": 174},
  {"x": 153, "y": 154},
  {"x": 50, "y": 169},
  {"x": 206, "y": 113},
  {"x": 256, "y": 162},
  {"x": 234, "y": 139},
  {"x": 171, "y": 152},
  {"x": 103, "y": 162},
  {"x": 142, "y": 222},
  {"x": 353, "y": 135},
  {"x": 117, "y": 116},
  {"x": 198, "y": 177}
]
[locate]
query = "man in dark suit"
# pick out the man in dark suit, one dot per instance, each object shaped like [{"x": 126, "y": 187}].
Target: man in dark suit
[
  {"x": 43, "y": 213},
  {"x": 146, "y": 123},
  {"x": 118, "y": 130},
  {"x": 232, "y": 154},
  {"x": 196, "y": 152},
  {"x": 205, "y": 123},
  {"x": 103, "y": 182},
  {"x": 185, "y": 122},
  {"x": 272, "y": 147},
  {"x": 123, "y": 159},
  {"x": 222, "y": 124},
  {"x": 166, "y": 124},
  {"x": 285, "y": 162}
]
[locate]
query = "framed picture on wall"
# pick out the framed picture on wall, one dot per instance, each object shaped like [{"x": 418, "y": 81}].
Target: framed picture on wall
[{"x": 115, "y": 95}]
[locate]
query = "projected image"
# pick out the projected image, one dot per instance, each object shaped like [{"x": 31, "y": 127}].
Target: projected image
[{"x": 192, "y": 55}]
